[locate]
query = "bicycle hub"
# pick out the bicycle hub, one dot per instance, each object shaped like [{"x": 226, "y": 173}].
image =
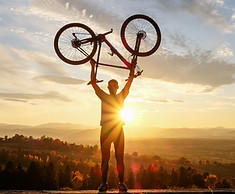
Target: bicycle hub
[
  {"x": 75, "y": 43},
  {"x": 142, "y": 34}
]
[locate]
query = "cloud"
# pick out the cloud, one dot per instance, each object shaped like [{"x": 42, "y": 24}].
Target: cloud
[
  {"x": 21, "y": 61},
  {"x": 19, "y": 67},
  {"x": 60, "y": 79},
  {"x": 207, "y": 11},
  {"x": 163, "y": 101},
  {"x": 179, "y": 40},
  {"x": 196, "y": 68},
  {"x": 22, "y": 97},
  {"x": 224, "y": 51},
  {"x": 178, "y": 101},
  {"x": 180, "y": 60},
  {"x": 160, "y": 101},
  {"x": 7, "y": 62},
  {"x": 82, "y": 11},
  {"x": 19, "y": 100},
  {"x": 42, "y": 63}
]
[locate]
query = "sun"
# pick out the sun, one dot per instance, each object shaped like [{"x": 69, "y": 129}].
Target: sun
[{"x": 128, "y": 114}]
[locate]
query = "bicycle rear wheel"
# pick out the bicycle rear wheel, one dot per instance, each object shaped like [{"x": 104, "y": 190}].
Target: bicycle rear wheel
[
  {"x": 75, "y": 43},
  {"x": 151, "y": 37}
]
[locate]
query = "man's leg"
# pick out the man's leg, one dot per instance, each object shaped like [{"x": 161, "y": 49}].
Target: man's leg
[
  {"x": 119, "y": 154},
  {"x": 105, "y": 143}
]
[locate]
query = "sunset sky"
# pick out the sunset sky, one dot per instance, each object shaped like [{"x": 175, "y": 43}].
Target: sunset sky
[{"x": 188, "y": 82}]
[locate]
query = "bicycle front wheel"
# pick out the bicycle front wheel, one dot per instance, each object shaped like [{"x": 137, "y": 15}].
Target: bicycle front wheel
[
  {"x": 75, "y": 43},
  {"x": 145, "y": 25}
]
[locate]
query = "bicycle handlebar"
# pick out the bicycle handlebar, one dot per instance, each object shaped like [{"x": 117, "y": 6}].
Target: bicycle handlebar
[{"x": 106, "y": 33}]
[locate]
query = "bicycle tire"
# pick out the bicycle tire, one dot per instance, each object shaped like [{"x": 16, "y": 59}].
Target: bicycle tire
[
  {"x": 69, "y": 53},
  {"x": 136, "y": 23}
]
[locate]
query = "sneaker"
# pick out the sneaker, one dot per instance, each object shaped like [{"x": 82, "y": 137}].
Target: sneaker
[
  {"x": 122, "y": 187},
  {"x": 103, "y": 187}
]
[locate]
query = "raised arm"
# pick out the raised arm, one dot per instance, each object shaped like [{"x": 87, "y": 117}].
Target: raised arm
[
  {"x": 97, "y": 89},
  {"x": 126, "y": 88}
]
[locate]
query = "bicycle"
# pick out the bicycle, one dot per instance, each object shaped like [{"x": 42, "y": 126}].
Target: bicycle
[{"x": 76, "y": 43}]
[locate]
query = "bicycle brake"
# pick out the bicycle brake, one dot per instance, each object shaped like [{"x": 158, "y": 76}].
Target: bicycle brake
[{"x": 138, "y": 73}]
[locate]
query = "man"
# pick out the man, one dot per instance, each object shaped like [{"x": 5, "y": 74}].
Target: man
[{"x": 111, "y": 125}]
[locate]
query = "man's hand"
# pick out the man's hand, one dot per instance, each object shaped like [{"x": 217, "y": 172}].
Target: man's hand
[
  {"x": 132, "y": 69},
  {"x": 132, "y": 72}
]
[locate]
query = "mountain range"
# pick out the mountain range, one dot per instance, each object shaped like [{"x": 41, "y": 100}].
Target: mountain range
[{"x": 84, "y": 134}]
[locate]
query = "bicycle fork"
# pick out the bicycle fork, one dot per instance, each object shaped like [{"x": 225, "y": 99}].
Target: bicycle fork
[
  {"x": 140, "y": 35},
  {"x": 97, "y": 62}
]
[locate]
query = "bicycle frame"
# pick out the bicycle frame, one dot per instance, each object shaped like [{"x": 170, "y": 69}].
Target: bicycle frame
[{"x": 101, "y": 38}]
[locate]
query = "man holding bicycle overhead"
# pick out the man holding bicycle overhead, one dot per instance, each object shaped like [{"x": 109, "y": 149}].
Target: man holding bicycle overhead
[{"x": 111, "y": 125}]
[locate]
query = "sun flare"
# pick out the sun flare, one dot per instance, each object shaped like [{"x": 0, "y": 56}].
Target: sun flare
[{"x": 128, "y": 114}]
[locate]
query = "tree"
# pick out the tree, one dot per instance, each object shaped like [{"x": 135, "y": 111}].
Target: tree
[
  {"x": 77, "y": 180},
  {"x": 130, "y": 179},
  {"x": 145, "y": 179},
  {"x": 174, "y": 178},
  {"x": 4, "y": 156},
  {"x": 211, "y": 180},
  {"x": 8, "y": 176},
  {"x": 162, "y": 178},
  {"x": 223, "y": 184},
  {"x": 50, "y": 182},
  {"x": 92, "y": 181},
  {"x": 98, "y": 175},
  {"x": 65, "y": 178},
  {"x": 183, "y": 177},
  {"x": 112, "y": 177},
  {"x": 152, "y": 170},
  {"x": 198, "y": 180},
  {"x": 34, "y": 173},
  {"x": 21, "y": 178}
]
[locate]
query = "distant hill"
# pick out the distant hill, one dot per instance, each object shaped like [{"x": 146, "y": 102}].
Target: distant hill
[
  {"x": 79, "y": 133},
  {"x": 47, "y": 125},
  {"x": 74, "y": 133},
  {"x": 154, "y": 132},
  {"x": 62, "y": 126},
  {"x": 88, "y": 136},
  {"x": 7, "y": 126}
]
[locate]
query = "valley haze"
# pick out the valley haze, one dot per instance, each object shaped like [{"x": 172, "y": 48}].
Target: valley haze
[{"x": 84, "y": 134}]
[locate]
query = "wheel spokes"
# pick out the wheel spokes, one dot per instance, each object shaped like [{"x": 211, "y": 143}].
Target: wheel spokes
[
  {"x": 137, "y": 25},
  {"x": 71, "y": 52}
]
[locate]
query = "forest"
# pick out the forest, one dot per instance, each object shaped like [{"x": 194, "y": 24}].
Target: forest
[{"x": 51, "y": 164}]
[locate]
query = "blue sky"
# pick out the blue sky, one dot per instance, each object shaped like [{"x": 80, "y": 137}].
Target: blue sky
[{"x": 188, "y": 82}]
